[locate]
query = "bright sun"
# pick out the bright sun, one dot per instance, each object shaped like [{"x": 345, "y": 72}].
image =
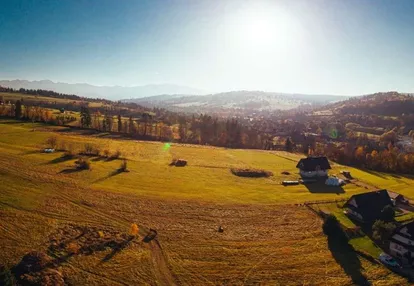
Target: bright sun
[
  {"x": 260, "y": 26},
  {"x": 260, "y": 29}
]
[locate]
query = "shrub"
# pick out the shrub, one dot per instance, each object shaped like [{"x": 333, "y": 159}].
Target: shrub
[
  {"x": 32, "y": 262},
  {"x": 61, "y": 146},
  {"x": 388, "y": 213},
  {"x": 83, "y": 164},
  {"x": 382, "y": 230},
  {"x": 6, "y": 277},
  {"x": 124, "y": 166},
  {"x": 178, "y": 163},
  {"x": 52, "y": 142},
  {"x": 91, "y": 150},
  {"x": 134, "y": 229},
  {"x": 116, "y": 155},
  {"x": 106, "y": 153},
  {"x": 88, "y": 148},
  {"x": 252, "y": 173},
  {"x": 70, "y": 152},
  {"x": 73, "y": 248}
]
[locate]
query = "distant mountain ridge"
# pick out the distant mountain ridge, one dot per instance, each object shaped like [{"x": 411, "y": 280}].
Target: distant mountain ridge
[
  {"x": 241, "y": 100},
  {"x": 107, "y": 92}
]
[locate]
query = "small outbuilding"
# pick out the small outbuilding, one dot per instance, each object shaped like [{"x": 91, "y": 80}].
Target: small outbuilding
[{"x": 334, "y": 181}]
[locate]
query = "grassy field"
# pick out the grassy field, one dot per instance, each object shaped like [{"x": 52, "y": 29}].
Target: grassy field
[
  {"x": 266, "y": 238},
  {"x": 8, "y": 96}
]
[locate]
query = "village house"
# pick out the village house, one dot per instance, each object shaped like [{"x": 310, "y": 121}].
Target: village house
[
  {"x": 402, "y": 243},
  {"x": 367, "y": 207},
  {"x": 313, "y": 167}
]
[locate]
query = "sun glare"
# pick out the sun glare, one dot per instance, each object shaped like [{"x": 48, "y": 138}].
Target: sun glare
[{"x": 263, "y": 27}]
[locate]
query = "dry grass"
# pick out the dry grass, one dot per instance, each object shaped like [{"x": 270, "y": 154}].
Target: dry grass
[{"x": 266, "y": 239}]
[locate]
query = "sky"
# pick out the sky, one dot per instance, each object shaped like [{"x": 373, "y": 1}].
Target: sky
[{"x": 348, "y": 47}]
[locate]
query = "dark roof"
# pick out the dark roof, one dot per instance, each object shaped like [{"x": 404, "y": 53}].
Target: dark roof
[
  {"x": 410, "y": 230},
  {"x": 311, "y": 164},
  {"x": 371, "y": 204}
]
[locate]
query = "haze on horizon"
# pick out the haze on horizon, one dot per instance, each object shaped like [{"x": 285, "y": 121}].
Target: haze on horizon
[{"x": 315, "y": 47}]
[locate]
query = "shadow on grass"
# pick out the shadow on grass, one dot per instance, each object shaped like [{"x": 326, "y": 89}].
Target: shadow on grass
[
  {"x": 375, "y": 173},
  {"x": 70, "y": 171},
  {"x": 395, "y": 176},
  {"x": 345, "y": 255},
  {"x": 61, "y": 159},
  {"x": 150, "y": 235},
  {"x": 31, "y": 152},
  {"x": 319, "y": 187},
  {"x": 113, "y": 173},
  {"x": 117, "y": 247},
  {"x": 97, "y": 159}
]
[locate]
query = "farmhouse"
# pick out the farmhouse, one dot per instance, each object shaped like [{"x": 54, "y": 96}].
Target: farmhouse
[
  {"x": 313, "y": 167},
  {"x": 367, "y": 207},
  {"x": 402, "y": 243}
]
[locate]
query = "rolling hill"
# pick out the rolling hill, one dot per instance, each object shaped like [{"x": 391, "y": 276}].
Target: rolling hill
[
  {"x": 236, "y": 100},
  {"x": 107, "y": 92}
]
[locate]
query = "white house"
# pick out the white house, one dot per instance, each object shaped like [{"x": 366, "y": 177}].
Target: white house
[
  {"x": 402, "y": 243},
  {"x": 313, "y": 167}
]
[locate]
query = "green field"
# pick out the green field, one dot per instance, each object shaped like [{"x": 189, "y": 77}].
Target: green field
[{"x": 267, "y": 238}]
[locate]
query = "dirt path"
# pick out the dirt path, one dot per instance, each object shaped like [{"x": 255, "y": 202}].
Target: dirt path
[{"x": 160, "y": 265}]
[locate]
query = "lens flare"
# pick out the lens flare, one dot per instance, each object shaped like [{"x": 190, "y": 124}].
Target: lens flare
[
  {"x": 166, "y": 146},
  {"x": 334, "y": 133}
]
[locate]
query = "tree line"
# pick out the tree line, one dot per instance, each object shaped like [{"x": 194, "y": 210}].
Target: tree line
[{"x": 50, "y": 93}]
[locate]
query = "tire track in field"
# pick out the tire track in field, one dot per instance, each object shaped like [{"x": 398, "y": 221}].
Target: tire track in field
[
  {"x": 160, "y": 265},
  {"x": 159, "y": 262},
  {"x": 95, "y": 274}
]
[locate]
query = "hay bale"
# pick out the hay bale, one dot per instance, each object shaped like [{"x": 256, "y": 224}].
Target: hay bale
[{"x": 251, "y": 173}]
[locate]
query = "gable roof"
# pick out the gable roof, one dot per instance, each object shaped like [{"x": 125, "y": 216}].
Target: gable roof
[
  {"x": 369, "y": 205},
  {"x": 311, "y": 164}
]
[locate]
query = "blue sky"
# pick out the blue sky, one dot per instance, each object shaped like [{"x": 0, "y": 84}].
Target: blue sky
[{"x": 347, "y": 47}]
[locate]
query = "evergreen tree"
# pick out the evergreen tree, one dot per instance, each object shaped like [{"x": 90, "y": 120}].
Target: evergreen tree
[
  {"x": 288, "y": 145},
  {"x": 86, "y": 119},
  {"x": 18, "y": 109},
  {"x": 119, "y": 123}
]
